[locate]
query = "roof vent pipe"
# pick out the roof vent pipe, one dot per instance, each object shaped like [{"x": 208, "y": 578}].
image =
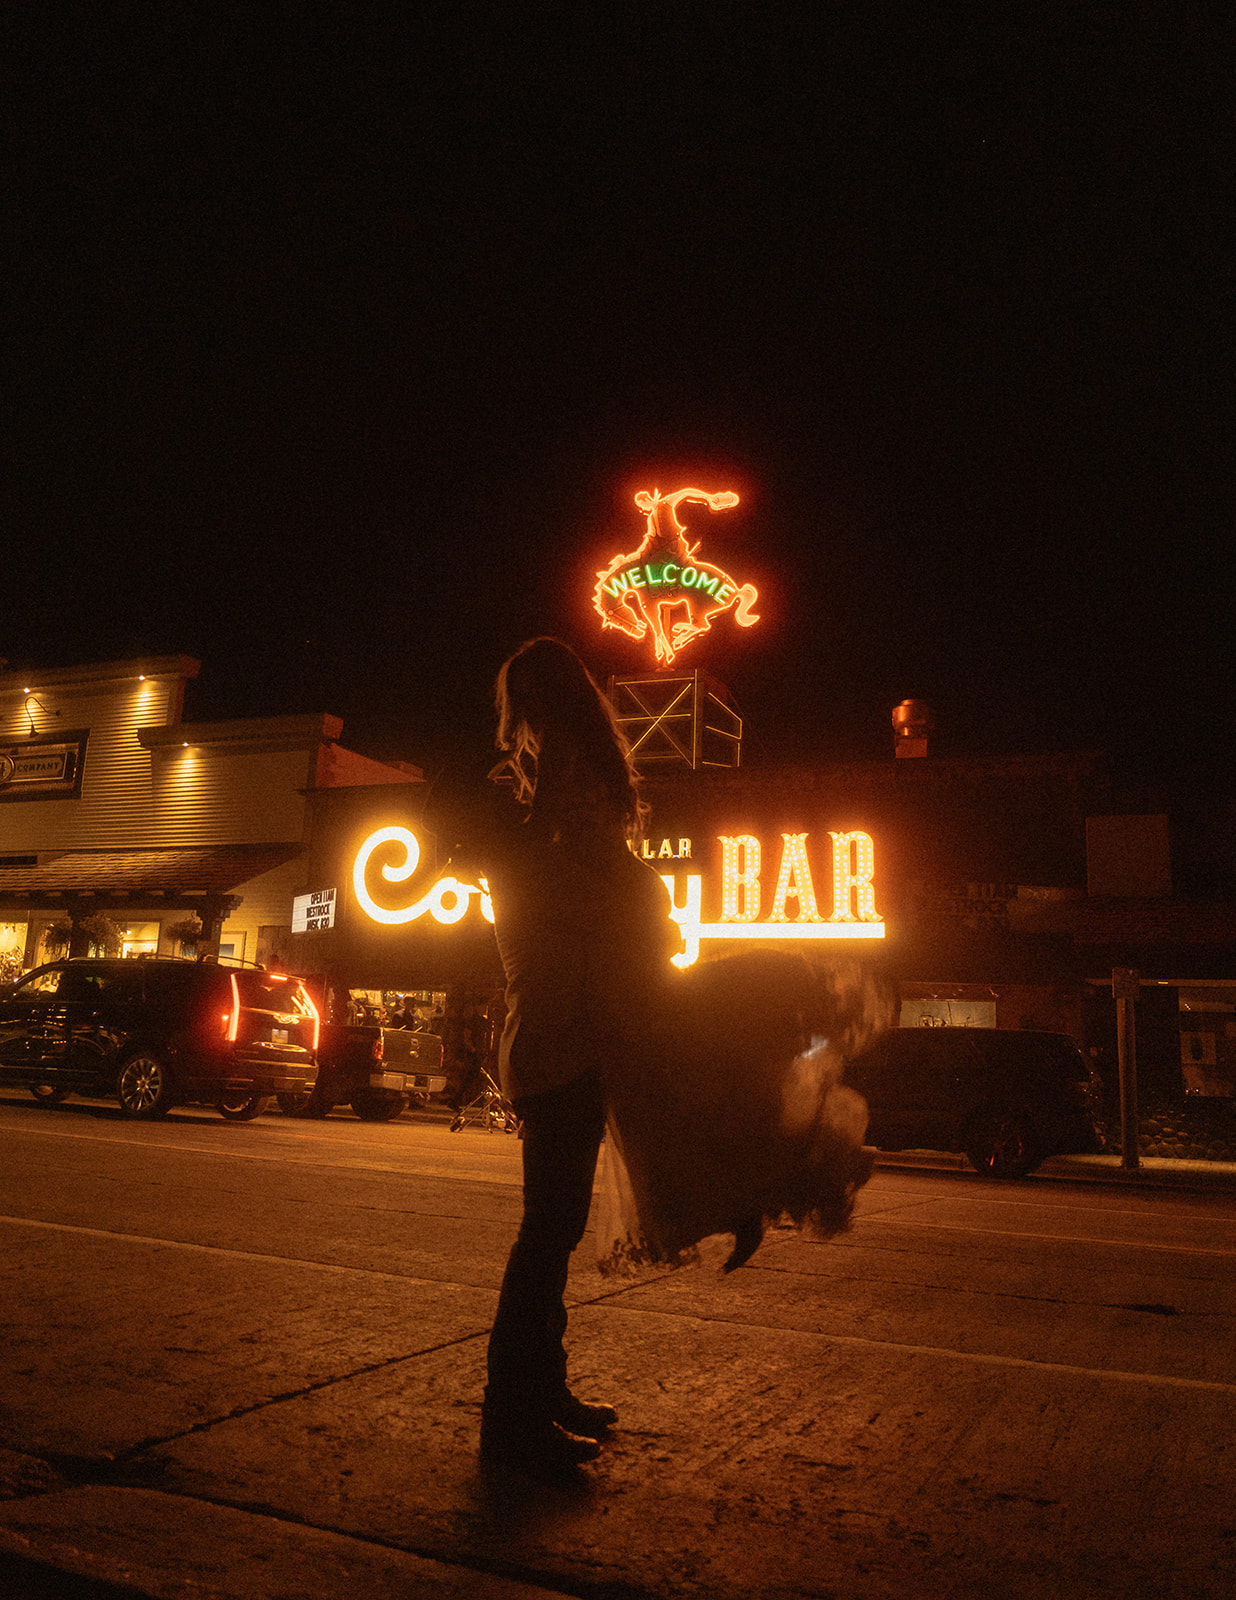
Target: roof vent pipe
[{"x": 913, "y": 721}]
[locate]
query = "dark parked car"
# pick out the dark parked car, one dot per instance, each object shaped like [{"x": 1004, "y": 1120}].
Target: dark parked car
[
  {"x": 1006, "y": 1098},
  {"x": 379, "y": 1072},
  {"x": 157, "y": 1032}
]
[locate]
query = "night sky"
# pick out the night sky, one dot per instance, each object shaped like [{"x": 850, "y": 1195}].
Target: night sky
[{"x": 341, "y": 338}]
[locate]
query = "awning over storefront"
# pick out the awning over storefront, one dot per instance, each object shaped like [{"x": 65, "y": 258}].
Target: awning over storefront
[{"x": 135, "y": 877}]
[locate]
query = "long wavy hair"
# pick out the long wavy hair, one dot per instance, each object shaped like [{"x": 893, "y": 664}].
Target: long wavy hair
[{"x": 544, "y": 692}]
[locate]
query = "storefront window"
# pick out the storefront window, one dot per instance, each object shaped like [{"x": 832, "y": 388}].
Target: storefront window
[
  {"x": 139, "y": 938},
  {"x": 12, "y": 950},
  {"x": 421, "y": 1010},
  {"x": 948, "y": 1013},
  {"x": 1208, "y": 1041}
]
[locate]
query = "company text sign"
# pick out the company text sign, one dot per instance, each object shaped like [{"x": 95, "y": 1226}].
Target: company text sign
[{"x": 40, "y": 769}]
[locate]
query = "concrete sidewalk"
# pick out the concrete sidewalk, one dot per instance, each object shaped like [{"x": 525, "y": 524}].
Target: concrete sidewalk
[
  {"x": 113, "y": 1529},
  {"x": 101, "y": 1542}
]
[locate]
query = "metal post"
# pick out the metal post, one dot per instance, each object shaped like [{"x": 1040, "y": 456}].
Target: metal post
[{"x": 1125, "y": 985}]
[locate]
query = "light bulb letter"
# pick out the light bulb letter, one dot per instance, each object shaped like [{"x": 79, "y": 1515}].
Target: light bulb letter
[
  {"x": 740, "y": 877},
  {"x": 853, "y": 866},
  {"x": 794, "y": 881}
]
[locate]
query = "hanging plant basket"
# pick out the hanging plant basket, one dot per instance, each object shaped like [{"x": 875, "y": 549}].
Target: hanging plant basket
[
  {"x": 104, "y": 933},
  {"x": 187, "y": 933}
]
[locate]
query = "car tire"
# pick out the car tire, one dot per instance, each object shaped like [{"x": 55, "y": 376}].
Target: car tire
[
  {"x": 242, "y": 1107},
  {"x": 143, "y": 1086},
  {"x": 304, "y": 1103},
  {"x": 48, "y": 1094},
  {"x": 379, "y": 1105},
  {"x": 1001, "y": 1143}
]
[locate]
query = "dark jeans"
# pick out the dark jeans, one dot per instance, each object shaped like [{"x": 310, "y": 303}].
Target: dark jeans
[{"x": 562, "y": 1134}]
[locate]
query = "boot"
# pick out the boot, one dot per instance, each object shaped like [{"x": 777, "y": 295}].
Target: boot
[
  {"x": 579, "y": 1417},
  {"x": 537, "y": 1448}
]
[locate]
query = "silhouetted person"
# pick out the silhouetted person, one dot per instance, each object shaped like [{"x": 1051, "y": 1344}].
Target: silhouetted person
[{"x": 581, "y": 924}]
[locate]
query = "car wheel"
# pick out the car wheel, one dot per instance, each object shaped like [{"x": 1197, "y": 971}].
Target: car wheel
[
  {"x": 143, "y": 1086},
  {"x": 379, "y": 1105},
  {"x": 242, "y": 1107},
  {"x": 48, "y": 1095},
  {"x": 1001, "y": 1143},
  {"x": 304, "y": 1103}
]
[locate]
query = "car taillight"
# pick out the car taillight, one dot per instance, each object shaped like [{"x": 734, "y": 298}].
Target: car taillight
[
  {"x": 377, "y": 1049},
  {"x": 231, "y": 1019},
  {"x": 313, "y": 1012}
]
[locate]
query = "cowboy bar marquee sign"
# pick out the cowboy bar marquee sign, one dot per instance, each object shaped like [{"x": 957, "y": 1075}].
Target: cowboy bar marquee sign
[
  {"x": 663, "y": 588},
  {"x": 390, "y": 856}
]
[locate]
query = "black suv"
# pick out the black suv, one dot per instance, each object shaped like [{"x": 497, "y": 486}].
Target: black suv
[
  {"x": 1007, "y": 1098},
  {"x": 156, "y": 1032}
]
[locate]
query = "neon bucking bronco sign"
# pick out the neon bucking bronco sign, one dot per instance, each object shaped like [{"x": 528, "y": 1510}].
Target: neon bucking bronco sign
[{"x": 663, "y": 588}]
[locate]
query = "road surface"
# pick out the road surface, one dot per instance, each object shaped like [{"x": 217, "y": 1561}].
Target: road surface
[{"x": 228, "y": 1337}]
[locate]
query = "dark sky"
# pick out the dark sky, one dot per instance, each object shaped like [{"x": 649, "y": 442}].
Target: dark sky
[{"x": 342, "y": 337}]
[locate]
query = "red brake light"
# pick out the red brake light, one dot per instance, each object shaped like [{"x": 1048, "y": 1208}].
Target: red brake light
[
  {"x": 377, "y": 1049},
  {"x": 313, "y": 1012},
  {"x": 231, "y": 1020}
]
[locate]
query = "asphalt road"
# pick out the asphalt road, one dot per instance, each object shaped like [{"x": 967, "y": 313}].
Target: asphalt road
[{"x": 246, "y": 1359}]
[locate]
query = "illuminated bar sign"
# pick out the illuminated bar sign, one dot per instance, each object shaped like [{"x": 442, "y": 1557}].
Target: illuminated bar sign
[
  {"x": 794, "y": 909},
  {"x": 663, "y": 588}
]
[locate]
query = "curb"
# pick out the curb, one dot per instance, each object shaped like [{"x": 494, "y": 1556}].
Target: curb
[
  {"x": 105, "y": 1542},
  {"x": 1155, "y": 1172}
]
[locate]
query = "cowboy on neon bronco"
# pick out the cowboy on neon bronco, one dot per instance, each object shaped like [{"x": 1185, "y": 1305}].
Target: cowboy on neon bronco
[{"x": 664, "y": 588}]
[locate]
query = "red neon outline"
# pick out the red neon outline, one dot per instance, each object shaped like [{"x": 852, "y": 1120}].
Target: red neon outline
[{"x": 625, "y": 594}]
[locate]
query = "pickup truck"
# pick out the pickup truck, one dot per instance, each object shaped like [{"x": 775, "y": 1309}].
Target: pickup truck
[{"x": 378, "y": 1071}]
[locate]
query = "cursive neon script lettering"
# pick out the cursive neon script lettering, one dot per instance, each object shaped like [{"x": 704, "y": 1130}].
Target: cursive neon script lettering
[{"x": 447, "y": 901}]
